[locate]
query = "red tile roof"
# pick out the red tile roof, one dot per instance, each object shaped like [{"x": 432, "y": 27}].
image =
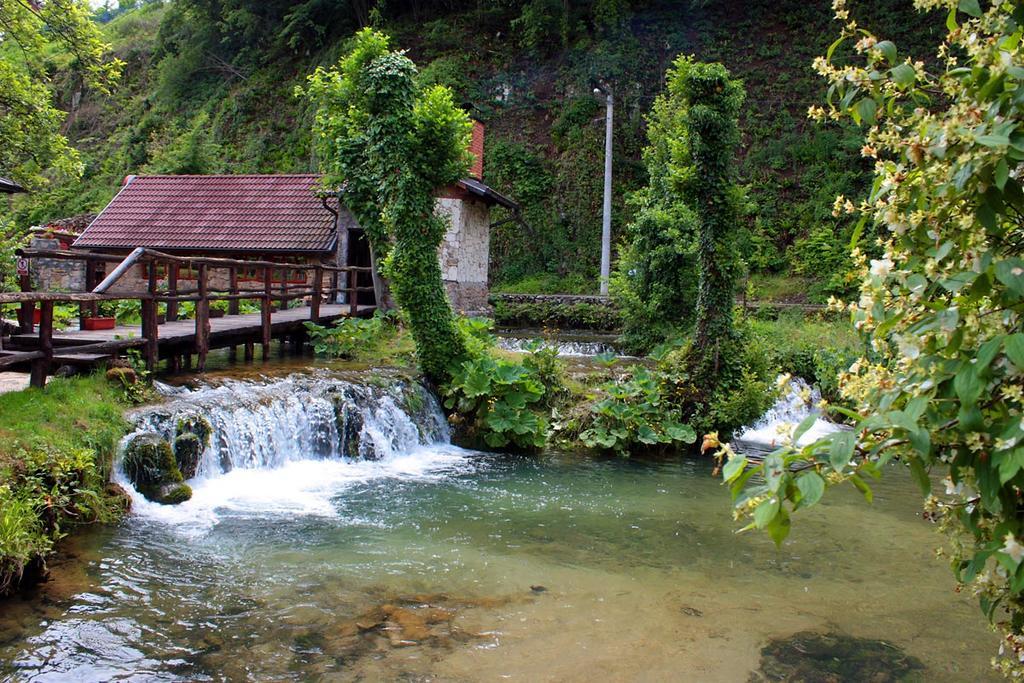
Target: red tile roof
[{"x": 264, "y": 213}]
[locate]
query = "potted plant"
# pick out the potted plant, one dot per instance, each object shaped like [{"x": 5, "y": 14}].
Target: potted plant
[{"x": 104, "y": 318}]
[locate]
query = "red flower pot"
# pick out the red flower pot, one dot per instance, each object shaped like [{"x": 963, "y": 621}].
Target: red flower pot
[{"x": 99, "y": 323}]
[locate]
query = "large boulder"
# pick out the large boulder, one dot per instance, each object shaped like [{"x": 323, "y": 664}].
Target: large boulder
[
  {"x": 151, "y": 467},
  {"x": 188, "y": 451}
]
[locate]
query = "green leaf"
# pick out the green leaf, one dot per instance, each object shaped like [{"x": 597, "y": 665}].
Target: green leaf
[
  {"x": 778, "y": 527},
  {"x": 970, "y": 7},
  {"x": 841, "y": 449},
  {"x": 903, "y": 75},
  {"x": 811, "y": 486},
  {"x": 804, "y": 425},
  {"x": 647, "y": 435},
  {"x": 735, "y": 465},
  {"x": 680, "y": 432},
  {"x": 968, "y": 384},
  {"x": 1014, "y": 346},
  {"x": 766, "y": 511},
  {"x": 862, "y": 486},
  {"x": 1011, "y": 273},
  {"x": 1001, "y": 173},
  {"x": 888, "y": 50},
  {"x": 1009, "y": 464},
  {"x": 987, "y": 353},
  {"x": 951, "y": 22},
  {"x": 866, "y": 109},
  {"x": 920, "y": 475},
  {"x": 993, "y": 140}
]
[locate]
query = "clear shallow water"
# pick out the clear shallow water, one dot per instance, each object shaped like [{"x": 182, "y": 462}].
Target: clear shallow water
[{"x": 645, "y": 578}]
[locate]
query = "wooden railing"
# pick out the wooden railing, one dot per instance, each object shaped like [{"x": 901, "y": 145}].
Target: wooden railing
[{"x": 167, "y": 290}]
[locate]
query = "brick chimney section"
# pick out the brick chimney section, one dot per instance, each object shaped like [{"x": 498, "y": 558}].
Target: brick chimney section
[{"x": 476, "y": 147}]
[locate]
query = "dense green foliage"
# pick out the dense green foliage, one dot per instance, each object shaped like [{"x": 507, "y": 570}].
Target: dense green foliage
[
  {"x": 634, "y": 416},
  {"x": 388, "y": 143},
  {"x": 502, "y": 402},
  {"x": 941, "y": 307},
  {"x": 579, "y": 315},
  {"x": 30, "y": 126},
  {"x": 56, "y": 451},
  {"x": 208, "y": 86},
  {"x": 352, "y": 337}
]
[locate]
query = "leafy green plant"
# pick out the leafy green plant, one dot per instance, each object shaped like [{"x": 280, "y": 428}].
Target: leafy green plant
[
  {"x": 941, "y": 306},
  {"x": 349, "y": 336},
  {"x": 500, "y": 401},
  {"x": 634, "y": 415}
]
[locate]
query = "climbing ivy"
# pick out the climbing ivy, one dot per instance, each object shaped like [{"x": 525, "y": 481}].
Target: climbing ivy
[
  {"x": 702, "y": 170},
  {"x": 389, "y": 143}
]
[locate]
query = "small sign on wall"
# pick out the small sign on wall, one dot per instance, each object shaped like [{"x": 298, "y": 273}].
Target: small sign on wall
[{"x": 22, "y": 266}]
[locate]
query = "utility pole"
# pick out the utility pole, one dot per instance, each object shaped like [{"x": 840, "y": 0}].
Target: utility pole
[{"x": 606, "y": 223}]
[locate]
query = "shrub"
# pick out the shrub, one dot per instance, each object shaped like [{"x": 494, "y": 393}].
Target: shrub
[
  {"x": 350, "y": 336},
  {"x": 634, "y": 416}
]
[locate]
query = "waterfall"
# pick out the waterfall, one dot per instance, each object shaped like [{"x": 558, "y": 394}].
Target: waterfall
[
  {"x": 291, "y": 444},
  {"x": 266, "y": 424},
  {"x": 779, "y": 422},
  {"x": 565, "y": 347}
]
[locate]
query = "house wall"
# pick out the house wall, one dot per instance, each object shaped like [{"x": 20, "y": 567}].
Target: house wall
[
  {"x": 464, "y": 254},
  {"x": 55, "y": 275}
]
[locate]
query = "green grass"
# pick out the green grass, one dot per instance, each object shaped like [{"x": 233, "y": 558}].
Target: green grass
[{"x": 56, "y": 450}]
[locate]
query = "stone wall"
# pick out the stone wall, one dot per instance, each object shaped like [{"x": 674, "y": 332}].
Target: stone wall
[
  {"x": 465, "y": 253},
  {"x": 55, "y": 275}
]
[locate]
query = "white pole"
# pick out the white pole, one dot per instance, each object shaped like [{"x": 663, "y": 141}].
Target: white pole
[{"x": 606, "y": 226}]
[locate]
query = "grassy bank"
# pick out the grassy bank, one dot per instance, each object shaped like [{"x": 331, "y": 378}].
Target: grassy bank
[{"x": 56, "y": 451}]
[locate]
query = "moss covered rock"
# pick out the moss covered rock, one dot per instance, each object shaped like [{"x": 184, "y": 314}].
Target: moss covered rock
[
  {"x": 171, "y": 494},
  {"x": 151, "y": 467},
  {"x": 198, "y": 425},
  {"x": 188, "y": 450}
]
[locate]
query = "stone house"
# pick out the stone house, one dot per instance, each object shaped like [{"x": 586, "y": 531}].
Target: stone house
[{"x": 285, "y": 219}]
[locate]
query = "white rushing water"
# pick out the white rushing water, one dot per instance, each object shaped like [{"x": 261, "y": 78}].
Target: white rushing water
[
  {"x": 288, "y": 446},
  {"x": 568, "y": 348},
  {"x": 777, "y": 425}
]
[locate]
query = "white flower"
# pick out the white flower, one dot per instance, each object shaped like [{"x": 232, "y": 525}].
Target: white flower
[
  {"x": 881, "y": 267},
  {"x": 1014, "y": 549}
]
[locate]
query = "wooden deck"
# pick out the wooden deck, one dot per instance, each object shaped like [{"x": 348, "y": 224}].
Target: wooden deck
[
  {"x": 177, "y": 340},
  {"x": 228, "y": 330}
]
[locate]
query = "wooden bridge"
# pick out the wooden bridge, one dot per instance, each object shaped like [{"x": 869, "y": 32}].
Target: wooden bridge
[{"x": 166, "y": 335}]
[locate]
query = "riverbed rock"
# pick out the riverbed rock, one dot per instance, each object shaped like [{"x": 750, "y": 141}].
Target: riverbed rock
[
  {"x": 198, "y": 425},
  {"x": 171, "y": 494},
  {"x": 833, "y": 657},
  {"x": 188, "y": 451},
  {"x": 150, "y": 466}
]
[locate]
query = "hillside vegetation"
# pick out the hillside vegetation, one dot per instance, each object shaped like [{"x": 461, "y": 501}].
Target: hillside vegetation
[{"x": 208, "y": 87}]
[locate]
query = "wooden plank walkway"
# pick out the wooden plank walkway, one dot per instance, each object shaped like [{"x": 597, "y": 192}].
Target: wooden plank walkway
[{"x": 224, "y": 331}]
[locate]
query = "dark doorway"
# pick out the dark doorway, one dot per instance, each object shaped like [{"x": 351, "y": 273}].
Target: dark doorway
[{"x": 359, "y": 255}]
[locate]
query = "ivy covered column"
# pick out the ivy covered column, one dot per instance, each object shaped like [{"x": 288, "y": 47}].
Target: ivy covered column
[
  {"x": 390, "y": 145},
  {"x": 712, "y": 101}
]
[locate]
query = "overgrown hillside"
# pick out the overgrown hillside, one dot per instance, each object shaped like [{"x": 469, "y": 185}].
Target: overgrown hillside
[{"x": 209, "y": 87}]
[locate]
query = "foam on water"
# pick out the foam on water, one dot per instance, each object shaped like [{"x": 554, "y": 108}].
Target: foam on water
[{"x": 289, "y": 446}]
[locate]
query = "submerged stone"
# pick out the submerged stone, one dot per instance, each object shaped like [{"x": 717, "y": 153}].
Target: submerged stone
[{"x": 835, "y": 658}]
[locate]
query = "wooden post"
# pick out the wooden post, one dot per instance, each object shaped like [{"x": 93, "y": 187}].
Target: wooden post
[
  {"x": 353, "y": 293},
  {"x": 268, "y": 287},
  {"x": 249, "y": 351},
  {"x": 202, "y": 318},
  {"x": 27, "y": 311},
  {"x": 41, "y": 366},
  {"x": 150, "y": 326},
  {"x": 283, "y": 304},
  {"x": 318, "y": 287},
  {"x": 233, "y": 286},
  {"x": 86, "y": 309},
  {"x": 233, "y": 308},
  {"x": 332, "y": 296},
  {"x": 172, "y": 289}
]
